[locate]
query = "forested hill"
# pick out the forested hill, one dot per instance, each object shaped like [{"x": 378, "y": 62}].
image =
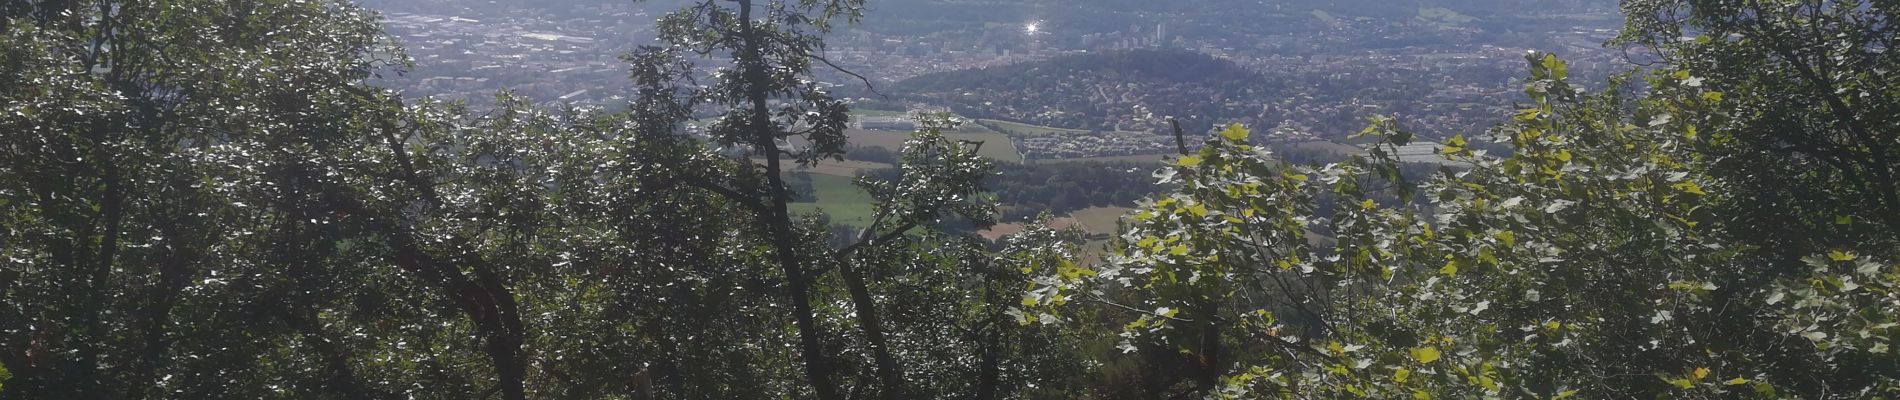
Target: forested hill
[{"x": 1106, "y": 91}]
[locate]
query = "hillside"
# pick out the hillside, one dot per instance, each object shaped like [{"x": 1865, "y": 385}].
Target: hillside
[{"x": 1100, "y": 91}]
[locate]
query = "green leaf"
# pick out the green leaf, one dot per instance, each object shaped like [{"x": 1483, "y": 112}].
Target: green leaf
[
  {"x": 1450, "y": 269},
  {"x": 1454, "y": 145},
  {"x": 1189, "y": 161},
  {"x": 1425, "y": 355},
  {"x": 1763, "y": 389},
  {"x": 1401, "y": 375},
  {"x": 1178, "y": 250},
  {"x": 1680, "y": 383},
  {"x": 1690, "y": 188},
  {"x": 1197, "y": 210},
  {"x": 1558, "y": 68},
  {"x": 1235, "y": 133},
  {"x": 1841, "y": 256}
]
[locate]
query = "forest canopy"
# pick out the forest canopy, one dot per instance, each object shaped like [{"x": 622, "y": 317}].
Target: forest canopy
[{"x": 208, "y": 199}]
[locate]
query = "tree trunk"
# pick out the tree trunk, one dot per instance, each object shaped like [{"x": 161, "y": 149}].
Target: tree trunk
[
  {"x": 784, "y": 240},
  {"x": 889, "y": 373}
]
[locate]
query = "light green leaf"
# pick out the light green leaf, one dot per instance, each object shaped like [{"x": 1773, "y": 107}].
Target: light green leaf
[
  {"x": 1425, "y": 355},
  {"x": 1681, "y": 383},
  {"x": 1690, "y": 188},
  {"x": 1235, "y": 133},
  {"x": 1558, "y": 68}
]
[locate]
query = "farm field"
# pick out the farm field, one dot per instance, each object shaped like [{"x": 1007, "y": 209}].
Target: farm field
[
  {"x": 839, "y": 198},
  {"x": 1100, "y": 220}
]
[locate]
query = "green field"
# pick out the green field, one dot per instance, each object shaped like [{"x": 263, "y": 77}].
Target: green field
[
  {"x": 995, "y": 145},
  {"x": 1100, "y": 220},
  {"x": 839, "y": 198}
]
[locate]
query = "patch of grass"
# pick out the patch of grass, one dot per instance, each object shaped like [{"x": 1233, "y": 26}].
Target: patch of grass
[
  {"x": 1100, "y": 220},
  {"x": 839, "y": 198},
  {"x": 847, "y": 168}
]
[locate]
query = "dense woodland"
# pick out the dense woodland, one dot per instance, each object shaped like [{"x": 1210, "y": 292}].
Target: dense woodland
[{"x": 203, "y": 199}]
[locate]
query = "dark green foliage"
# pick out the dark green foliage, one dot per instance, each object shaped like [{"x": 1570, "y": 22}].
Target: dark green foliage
[
  {"x": 1059, "y": 188},
  {"x": 202, "y": 199}
]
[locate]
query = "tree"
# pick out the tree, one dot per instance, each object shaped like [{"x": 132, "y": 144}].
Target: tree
[
  {"x": 771, "y": 53},
  {"x": 1809, "y": 88},
  {"x": 112, "y": 110},
  {"x": 1595, "y": 260}
]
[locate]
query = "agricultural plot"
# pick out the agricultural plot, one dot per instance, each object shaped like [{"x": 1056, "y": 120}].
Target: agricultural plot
[{"x": 839, "y": 198}]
